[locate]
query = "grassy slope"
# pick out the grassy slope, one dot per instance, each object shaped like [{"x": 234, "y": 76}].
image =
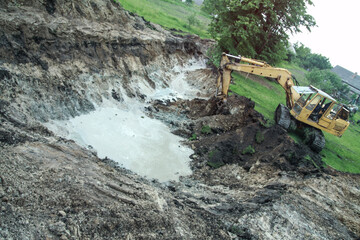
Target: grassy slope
[
  {"x": 340, "y": 153},
  {"x": 343, "y": 153},
  {"x": 266, "y": 99},
  {"x": 297, "y": 71},
  {"x": 170, "y": 14}
]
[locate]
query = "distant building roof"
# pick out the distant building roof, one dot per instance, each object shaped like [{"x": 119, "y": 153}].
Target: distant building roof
[{"x": 348, "y": 77}]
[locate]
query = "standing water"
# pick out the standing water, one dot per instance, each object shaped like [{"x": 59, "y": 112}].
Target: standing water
[
  {"x": 137, "y": 142},
  {"x": 126, "y": 135}
]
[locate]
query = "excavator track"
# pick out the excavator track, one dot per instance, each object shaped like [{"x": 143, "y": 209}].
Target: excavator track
[
  {"x": 314, "y": 138},
  {"x": 282, "y": 116}
]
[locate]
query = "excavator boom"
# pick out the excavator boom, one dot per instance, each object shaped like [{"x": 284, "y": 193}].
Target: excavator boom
[{"x": 282, "y": 76}]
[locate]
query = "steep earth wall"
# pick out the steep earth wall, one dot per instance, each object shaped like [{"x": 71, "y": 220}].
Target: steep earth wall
[{"x": 64, "y": 56}]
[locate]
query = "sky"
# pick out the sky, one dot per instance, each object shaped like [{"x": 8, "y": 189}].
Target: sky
[{"x": 336, "y": 36}]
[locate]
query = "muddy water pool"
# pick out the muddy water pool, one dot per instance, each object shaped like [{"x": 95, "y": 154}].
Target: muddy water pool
[
  {"x": 127, "y": 136},
  {"x": 123, "y": 132}
]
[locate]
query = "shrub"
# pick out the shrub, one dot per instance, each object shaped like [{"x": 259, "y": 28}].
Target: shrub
[
  {"x": 248, "y": 150},
  {"x": 259, "y": 137},
  {"x": 193, "y": 137},
  {"x": 193, "y": 21},
  {"x": 206, "y": 130}
]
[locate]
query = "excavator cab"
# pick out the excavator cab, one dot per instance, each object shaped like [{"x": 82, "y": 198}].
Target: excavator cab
[{"x": 318, "y": 109}]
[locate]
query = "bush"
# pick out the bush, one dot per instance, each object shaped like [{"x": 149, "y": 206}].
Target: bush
[
  {"x": 193, "y": 21},
  {"x": 248, "y": 150},
  {"x": 206, "y": 130},
  {"x": 259, "y": 137},
  {"x": 328, "y": 82},
  {"x": 308, "y": 60},
  {"x": 193, "y": 137}
]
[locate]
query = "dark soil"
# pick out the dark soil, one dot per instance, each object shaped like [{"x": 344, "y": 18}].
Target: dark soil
[{"x": 234, "y": 133}]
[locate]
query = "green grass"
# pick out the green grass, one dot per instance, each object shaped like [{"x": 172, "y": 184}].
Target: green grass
[
  {"x": 307, "y": 157},
  {"x": 295, "y": 137},
  {"x": 343, "y": 153},
  {"x": 339, "y": 153},
  {"x": 171, "y": 14},
  {"x": 355, "y": 117},
  {"x": 297, "y": 71},
  {"x": 266, "y": 99}
]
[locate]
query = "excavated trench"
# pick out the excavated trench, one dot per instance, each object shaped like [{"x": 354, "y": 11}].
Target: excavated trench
[{"x": 97, "y": 102}]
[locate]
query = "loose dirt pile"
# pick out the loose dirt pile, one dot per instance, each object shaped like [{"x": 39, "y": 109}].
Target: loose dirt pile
[{"x": 234, "y": 133}]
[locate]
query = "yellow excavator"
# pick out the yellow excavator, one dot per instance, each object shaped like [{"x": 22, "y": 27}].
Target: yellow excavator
[{"x": 307, "y": 107}]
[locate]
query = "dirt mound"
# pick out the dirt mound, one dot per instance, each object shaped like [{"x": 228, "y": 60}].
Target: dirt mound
[{"x": 234, "y": 133}]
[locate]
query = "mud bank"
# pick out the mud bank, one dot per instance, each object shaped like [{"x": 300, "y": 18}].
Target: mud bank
[{"x": 62, "y": 59}]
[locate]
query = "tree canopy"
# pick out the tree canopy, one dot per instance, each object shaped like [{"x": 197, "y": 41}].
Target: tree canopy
[
  {"x": 328, "y": 82},
  {"x": 308, "y": 60},
  {"x": 257, "y": 28}
]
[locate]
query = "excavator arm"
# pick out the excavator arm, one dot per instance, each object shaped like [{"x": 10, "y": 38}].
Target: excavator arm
[{"x": 282, "y": 76}]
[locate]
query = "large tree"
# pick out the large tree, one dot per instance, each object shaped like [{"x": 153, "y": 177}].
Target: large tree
[
  {"x": 308, "y": 60},
  {"x": 257, "y": 28},
  {"x": 328, "y": 82}
]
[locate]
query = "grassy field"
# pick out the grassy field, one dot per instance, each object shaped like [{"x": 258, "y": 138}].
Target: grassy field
[
  {"x": 344, "y": 153},
  {"x": 171, "y": 14},
  {"x": 339, "y": 153}
]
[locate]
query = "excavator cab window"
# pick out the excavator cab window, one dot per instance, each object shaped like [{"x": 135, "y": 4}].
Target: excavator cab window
[
  {"x": 313, "y": 103},
  {"x": 333, "y": 112},
  {"x": 303, "y": 99},
  {"x": 325, "y": 104},
  {"x": 344, "y": 114},
  {"x": 301, "y": 102},
  {"x": 314, "y": 106}
]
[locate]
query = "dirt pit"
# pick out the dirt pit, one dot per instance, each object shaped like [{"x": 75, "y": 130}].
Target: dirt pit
[
  {"x": 120, "y": 130},
  {"x": 60, "y": 62}
]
